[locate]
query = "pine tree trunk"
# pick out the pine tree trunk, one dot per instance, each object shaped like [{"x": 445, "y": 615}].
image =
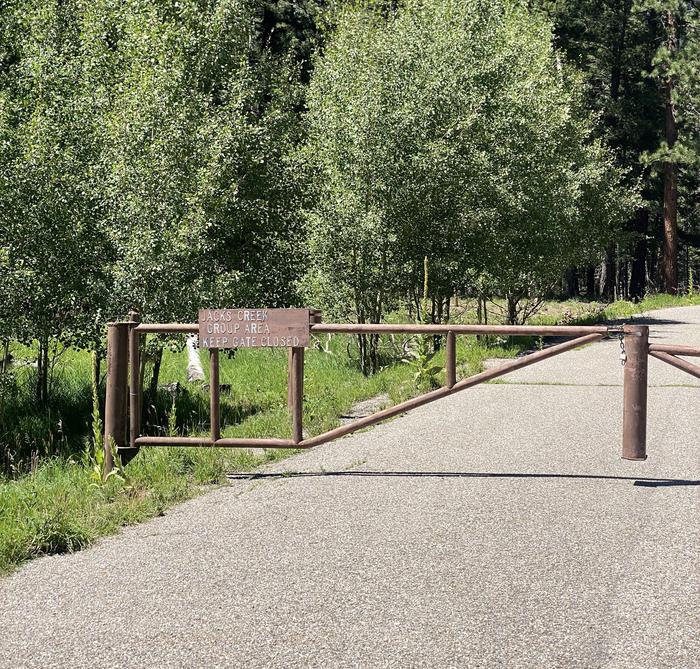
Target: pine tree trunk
[
  {"x": 590, "y": 282},
  {"x": 670, "y": 254},
  {"x": 638, "y": 279}
]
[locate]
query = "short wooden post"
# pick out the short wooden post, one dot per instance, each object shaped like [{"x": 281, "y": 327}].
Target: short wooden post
[
  {"x": 295, "y": 390},
  {"x": 450, "y": 360},
  {"x": 214, "y": 394},
  {"x": 634, "y": 415},
  {"x": 115, "y": 395}
]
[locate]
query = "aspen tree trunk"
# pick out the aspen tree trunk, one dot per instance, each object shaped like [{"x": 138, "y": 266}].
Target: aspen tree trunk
[
  {"x": 96, "y": 366},
  {"x": 42, "y": 368},
  {"x": 153, "y": 388},
  {"x": 607, "y": 283}
]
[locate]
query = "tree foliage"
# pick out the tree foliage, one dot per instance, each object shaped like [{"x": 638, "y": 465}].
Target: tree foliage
[
  {"x": 146, "y": 162},
  {"x": 451, "y": 130},
  {"x": 632, "y": 69},
  {"x": 164, "y": 155}
]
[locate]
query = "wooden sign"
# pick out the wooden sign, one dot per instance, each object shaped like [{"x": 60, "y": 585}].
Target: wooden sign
[{"x": 253, "y": 328}]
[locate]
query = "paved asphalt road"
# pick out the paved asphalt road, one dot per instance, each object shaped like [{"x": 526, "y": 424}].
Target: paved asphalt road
[{"x": 495, "y": 528}]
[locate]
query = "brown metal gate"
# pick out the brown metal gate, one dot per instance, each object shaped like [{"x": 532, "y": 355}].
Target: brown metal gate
[{"x": 123, "y": 362}]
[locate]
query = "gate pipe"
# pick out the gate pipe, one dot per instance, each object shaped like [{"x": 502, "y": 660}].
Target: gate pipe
[{"x": 693, "y": 370}]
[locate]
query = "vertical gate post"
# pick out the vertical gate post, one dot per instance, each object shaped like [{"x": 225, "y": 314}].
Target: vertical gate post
[
  {"x": 134, "y": 383},
  {"x": 115, "y": 395},
  {"x": 634, "y": 416},
  {"x": 290, "y": 380},
  {"x": 295, "y": 382},
  {"x": 450, "y": 360},
  {"x": 295, "y": 390}
]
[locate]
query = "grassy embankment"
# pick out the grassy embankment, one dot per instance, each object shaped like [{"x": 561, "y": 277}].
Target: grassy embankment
[{"x": 60, "y": 505}]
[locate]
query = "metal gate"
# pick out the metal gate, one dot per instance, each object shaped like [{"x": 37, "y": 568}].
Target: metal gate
[{"x": 123, "y": 374}]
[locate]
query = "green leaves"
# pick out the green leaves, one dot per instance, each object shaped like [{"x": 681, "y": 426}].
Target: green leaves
[
  {"x": 419, "y": 355},
  {"x": 676, "y": 64},
  {"x": 145, "y": 162},
  {"x": 451, "y": 130}
]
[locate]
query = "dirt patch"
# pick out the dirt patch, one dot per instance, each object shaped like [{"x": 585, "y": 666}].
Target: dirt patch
[
  {"x": 491, "y": 363},
  {"x": 365, "y": 408}
]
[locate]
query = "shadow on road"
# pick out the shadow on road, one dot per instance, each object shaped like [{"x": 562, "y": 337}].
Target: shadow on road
[
  {"x": 645, "y": 320},
  {"x": 638, "y": 481}
]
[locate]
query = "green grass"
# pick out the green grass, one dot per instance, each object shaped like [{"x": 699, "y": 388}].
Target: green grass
[
  {"x": 51, "y": 503},
  {"x": 28, "y": 431},
  {"x": 579, "y": 312},
  {"x": 60, "y": 508}
]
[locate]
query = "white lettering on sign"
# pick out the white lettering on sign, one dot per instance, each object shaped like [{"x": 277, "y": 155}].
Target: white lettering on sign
[
  {"x": 253, "y": 328},
  {"x": 228, "y": 327}
]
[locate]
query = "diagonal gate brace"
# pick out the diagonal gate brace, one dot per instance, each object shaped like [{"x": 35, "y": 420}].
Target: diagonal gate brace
[
  {"x": 671, "y": 359},
  {"x": 415, "y": 402}
]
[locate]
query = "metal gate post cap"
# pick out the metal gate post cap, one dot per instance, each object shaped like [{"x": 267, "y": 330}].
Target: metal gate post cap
[{"x": 635, "y": 330}]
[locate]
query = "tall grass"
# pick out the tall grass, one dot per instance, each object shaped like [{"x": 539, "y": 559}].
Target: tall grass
[{"x": 30, "y": 432}]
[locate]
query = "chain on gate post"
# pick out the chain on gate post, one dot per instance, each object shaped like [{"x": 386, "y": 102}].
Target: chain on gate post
[
  {"x": 635, "y": 358},
  {"x": 623, "y": 353}
]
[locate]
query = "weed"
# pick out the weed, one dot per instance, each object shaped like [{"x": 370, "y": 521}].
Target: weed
[{"x": 420, "y": 357}]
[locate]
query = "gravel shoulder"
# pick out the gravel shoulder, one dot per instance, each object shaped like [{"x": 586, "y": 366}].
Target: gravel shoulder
[{"x": 497, "y": 527}]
